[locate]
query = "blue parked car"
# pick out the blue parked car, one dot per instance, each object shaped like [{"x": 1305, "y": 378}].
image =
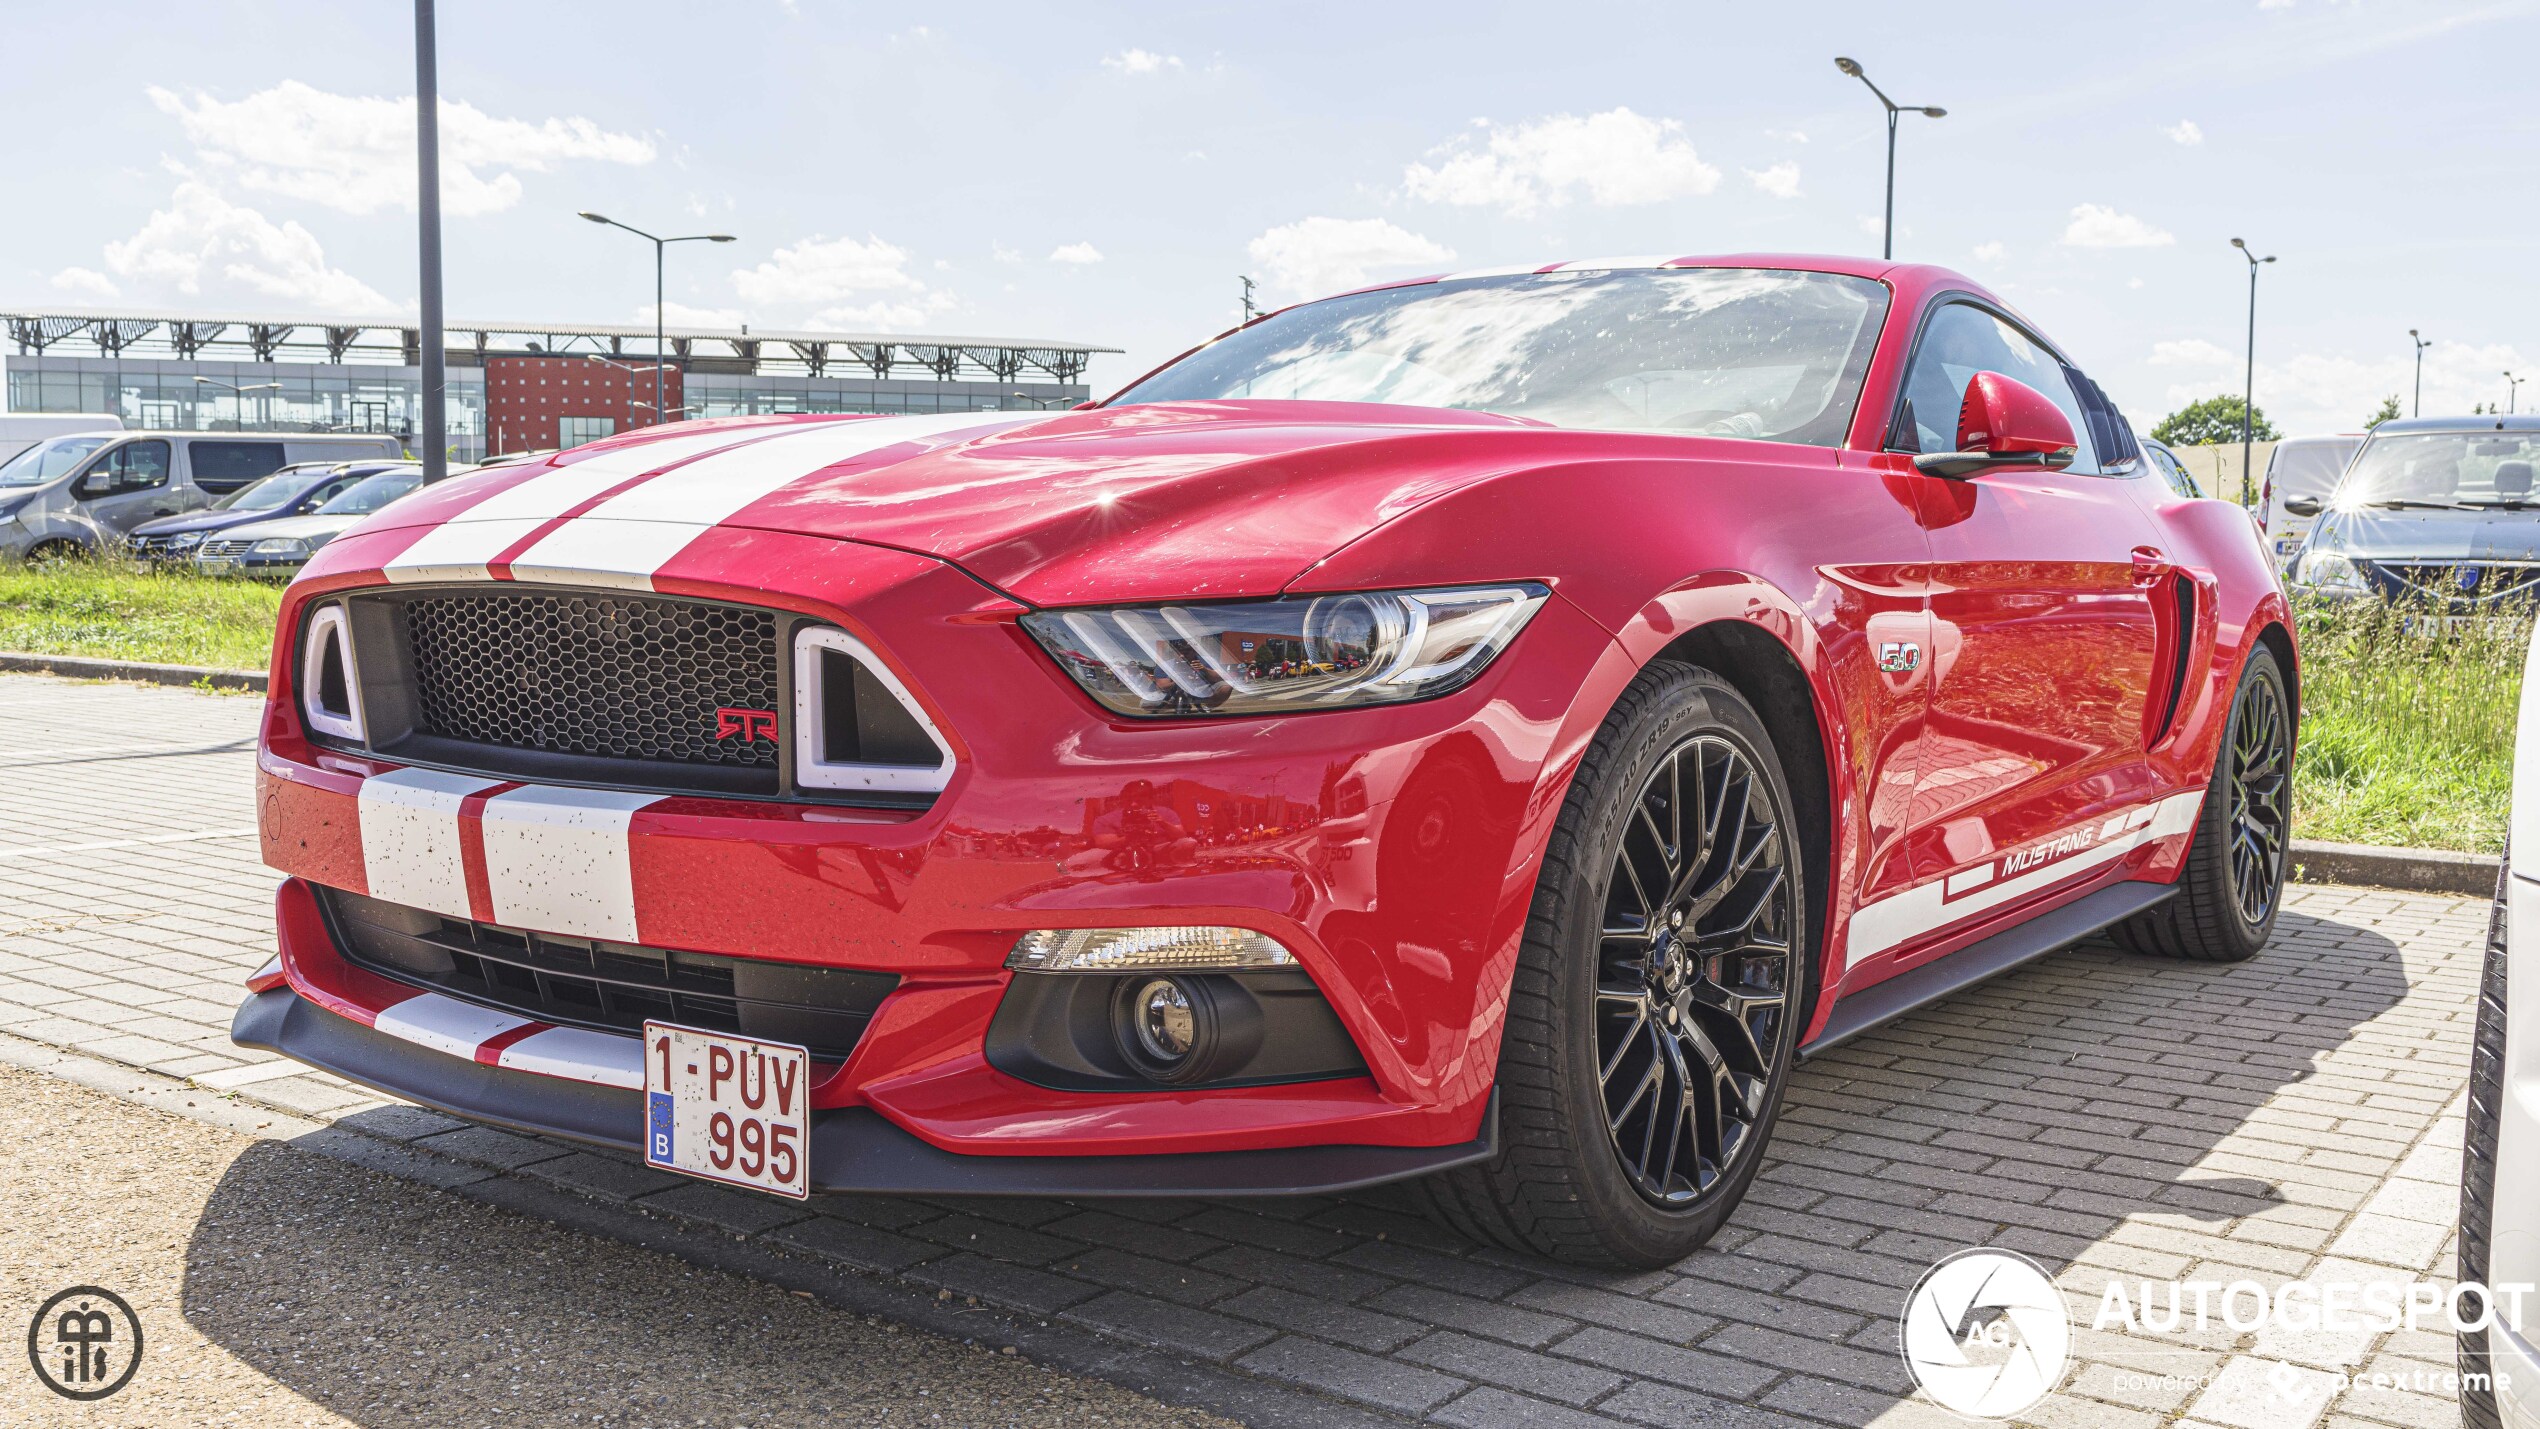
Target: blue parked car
[
  {"x": 2436, "y": 512},
  {"x": 292, "y": 491}
]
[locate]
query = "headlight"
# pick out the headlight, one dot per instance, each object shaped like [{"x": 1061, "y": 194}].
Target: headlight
[
  {"x": 187, "y": 538},
  {"x": 280, "y": 546},
  {"x": 1276, "y": 656},
  {"x": 2327, "y": 570}
]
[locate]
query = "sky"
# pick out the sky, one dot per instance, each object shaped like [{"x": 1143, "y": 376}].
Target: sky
[{"x": 1105, "y": 173}]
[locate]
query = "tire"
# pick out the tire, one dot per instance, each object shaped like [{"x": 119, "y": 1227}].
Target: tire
[
  {"x": 2478, "y": 1156},
  {"x": 54, "y": 552},
  {"x": 1606, "y": 984},
  {"x": 2232, "y": 886}
]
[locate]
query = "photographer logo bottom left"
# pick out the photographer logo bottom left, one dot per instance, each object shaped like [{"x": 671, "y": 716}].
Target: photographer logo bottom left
[{"x": 85, "y": 1343}]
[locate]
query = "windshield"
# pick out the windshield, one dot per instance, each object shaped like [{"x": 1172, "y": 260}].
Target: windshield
[
  {"x": 1732, "y": 352},
  {"x": 368, "y": 496},
  {"x": 44, "y": 461},
  {"x": 272, "y": 493},
  {"x": 2442, "y": 470}
]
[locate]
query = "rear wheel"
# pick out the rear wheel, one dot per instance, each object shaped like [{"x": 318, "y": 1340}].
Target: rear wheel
[
  {"x": 54, "y": 553},
  {"x": 2478, "y": 1157},
  {"x": 1654, "y": 1013},
  {"x": 2232, "y": 886}
]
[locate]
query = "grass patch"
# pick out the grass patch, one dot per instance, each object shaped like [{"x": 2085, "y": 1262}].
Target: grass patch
[
  {"x": 110, "y": 611},
  {"x": 2407, "y": 732}
]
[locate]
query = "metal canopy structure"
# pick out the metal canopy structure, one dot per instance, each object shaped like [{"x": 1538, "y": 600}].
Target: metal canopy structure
[{"x": 391, "y": 340}]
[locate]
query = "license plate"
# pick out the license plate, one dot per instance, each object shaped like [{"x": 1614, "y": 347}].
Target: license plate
[
  {"x": 216, "y": 563},
  {"x": 728, "y": 1108},
  {"x": 2288, "y": 545}
]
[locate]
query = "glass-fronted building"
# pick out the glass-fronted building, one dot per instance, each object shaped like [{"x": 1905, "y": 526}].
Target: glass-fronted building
[{"x": 220, "y": 372}]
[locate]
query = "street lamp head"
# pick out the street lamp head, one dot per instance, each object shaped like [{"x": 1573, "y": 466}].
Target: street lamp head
[
  {"x": 1935, "y": 111},
  {"x": 2412, "y": 332},
  {"x": 594, "y": 217},
  {"x": 1848, "y": 66},
  {"x": 2236, "y": 243},
  {"x": 720, "y": 238},
  {"x": 2268, "y": 259}
]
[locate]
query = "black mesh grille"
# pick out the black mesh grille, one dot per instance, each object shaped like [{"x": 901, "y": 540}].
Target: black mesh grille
[
  {"x": 622, "y": 676},
  {"x": 616, "y": 987}
]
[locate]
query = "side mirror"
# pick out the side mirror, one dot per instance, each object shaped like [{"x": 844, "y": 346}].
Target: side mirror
[
  {"x": 2003, "y": 423},
  {"x": 96, "y": 482},
  {"x": 2302, "y": 505}
]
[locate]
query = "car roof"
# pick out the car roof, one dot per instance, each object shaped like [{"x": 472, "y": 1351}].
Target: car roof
[{"x": 2399, "y": 426}]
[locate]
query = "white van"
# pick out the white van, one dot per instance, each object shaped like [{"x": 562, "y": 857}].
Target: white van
[
  {"x": 80, "y": 494},
  {"x": 20, "y": 430},
  {"x": 2301, "y": 472}
]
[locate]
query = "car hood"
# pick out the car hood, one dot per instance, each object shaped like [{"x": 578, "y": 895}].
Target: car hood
[
  {"x": 316, "y": 530},
  {"x": 196, "y": 521},
  {"x": 1171, "y": 500},
  {"x": 2430, "y": 537}
]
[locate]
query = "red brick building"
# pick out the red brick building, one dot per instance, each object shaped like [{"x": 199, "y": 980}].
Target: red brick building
[{"x": 534, "y": 403}]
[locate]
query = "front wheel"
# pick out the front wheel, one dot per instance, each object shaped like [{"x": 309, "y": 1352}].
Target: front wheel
[
  {"x": 2232, "y": 886},
  {"x": 1653, "y": 1018}
]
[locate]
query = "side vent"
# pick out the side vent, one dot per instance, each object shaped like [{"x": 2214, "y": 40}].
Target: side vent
[
  {"x": 330, "y": 695},
  {"x": 856, "y": 726},
  {"x": 2182, "y": 643}
]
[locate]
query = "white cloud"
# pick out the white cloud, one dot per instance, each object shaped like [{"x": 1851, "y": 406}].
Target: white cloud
[
  {"x": 2333, "y": 392},
  {"x": 1792, "y": 136},
  {"x": 87, "y": 282},
  {"x": 1616, "y": 158},
  {"x": 1873, "y": 225},
  {"x": 1140, "y": 62},
  {"x": 1780, "y": 181},
  {"x": 1004, "y": 254},
  {"x": 2185, "y": 132},
  {"x": 357, "y": 153},
  {"x": 2097, "y": 226},
  {"x": 839, "y": 282},
  {"x": 1315, "y": 256},
  {"x": 1992, "y": 252},
  {"x": 203, "y": 242},
  {"x": 1076, "y": 253}
]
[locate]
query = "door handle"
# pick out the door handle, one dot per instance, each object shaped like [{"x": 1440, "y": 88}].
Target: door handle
[{"x": 2149, "y": 565}]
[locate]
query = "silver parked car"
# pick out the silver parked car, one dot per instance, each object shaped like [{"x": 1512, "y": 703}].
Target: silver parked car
[
  {"x": 82, "y": 494},
  {"x": 2500, "y": 1159},
  {"x": 277, "y": 549}
]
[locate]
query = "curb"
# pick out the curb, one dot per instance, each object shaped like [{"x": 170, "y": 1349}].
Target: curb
[
  {"x": 2416, "y": 870},
  {"x": 84, "y": 668}
]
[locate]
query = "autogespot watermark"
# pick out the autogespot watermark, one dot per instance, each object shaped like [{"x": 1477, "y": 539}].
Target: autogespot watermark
[{"x": 1987, "y": 1333}]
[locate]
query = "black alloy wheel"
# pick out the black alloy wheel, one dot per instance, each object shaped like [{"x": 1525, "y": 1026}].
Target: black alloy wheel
[
  {"x": 1653, "y": 1017},
  {"x": 2231, "y": 884},
  {"x": 1693, "y": 971},
  {"x": 2261, "y": 787}
]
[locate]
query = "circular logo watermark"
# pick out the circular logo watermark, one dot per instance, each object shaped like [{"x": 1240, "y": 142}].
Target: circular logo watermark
[
  {"x": 85, "y": 1343},
  {"x": 1985, "y": 1333}
]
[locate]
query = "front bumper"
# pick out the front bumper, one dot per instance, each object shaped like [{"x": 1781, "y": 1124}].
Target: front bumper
[
  {"x": 1287, "y": 826},
  {"x": 852, "y": 1149}
]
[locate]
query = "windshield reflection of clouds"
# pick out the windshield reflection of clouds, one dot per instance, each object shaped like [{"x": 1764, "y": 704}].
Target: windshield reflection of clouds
[
  {"x": 1739, "y": 352},
  {"x": 2442, "y": 469}
]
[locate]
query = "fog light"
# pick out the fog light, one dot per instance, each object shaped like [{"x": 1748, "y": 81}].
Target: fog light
[
  {"x": 1129, "y": 950},
  {"x": 1167, "y": 1029},
  {"x": 1162, "y": 1018}
]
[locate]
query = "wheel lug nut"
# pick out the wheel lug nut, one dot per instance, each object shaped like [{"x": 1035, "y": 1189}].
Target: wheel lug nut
[{"x": 1676, "y": 919}]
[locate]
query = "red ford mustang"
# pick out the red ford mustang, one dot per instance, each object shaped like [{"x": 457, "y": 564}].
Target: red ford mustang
[{"x": 1484, "y": 729}]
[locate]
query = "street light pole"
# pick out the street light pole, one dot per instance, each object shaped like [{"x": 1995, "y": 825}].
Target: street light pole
[
  {"x": 661, "y": 346},
  {"x": 2513, "y": 391},
  {"x": 2416, "y": 404},
  {"x": 2249, "y": 374},
  {"x": 434, "y": 355},
  {"x": 1887, "y": 231},
  {"x": 1249, "y": 310}
]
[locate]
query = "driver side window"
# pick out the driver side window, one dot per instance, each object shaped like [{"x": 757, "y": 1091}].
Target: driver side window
[
  {"x": 134, "y": 466},
  {"x": 1960, "y": 341}
]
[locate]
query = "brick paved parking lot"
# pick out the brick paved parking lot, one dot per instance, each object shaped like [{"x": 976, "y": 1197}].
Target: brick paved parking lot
[{"x": 2105, "y": 1114}]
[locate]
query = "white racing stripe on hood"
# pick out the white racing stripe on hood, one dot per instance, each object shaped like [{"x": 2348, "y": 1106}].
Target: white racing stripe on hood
[
  {"x": 625, "y": 539},
  {"x": 459, "y": 548}
]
